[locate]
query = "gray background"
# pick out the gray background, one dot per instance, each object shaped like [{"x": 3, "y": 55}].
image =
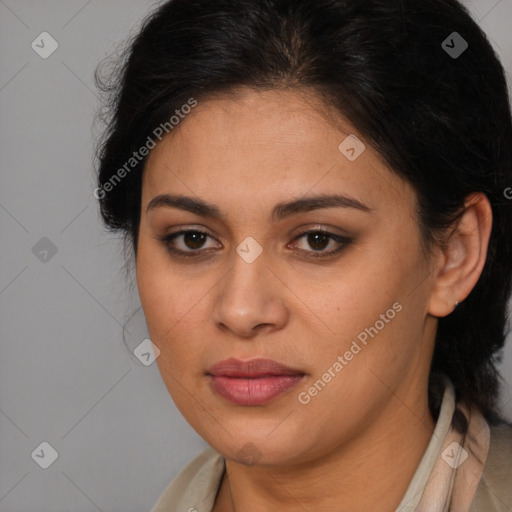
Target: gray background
[{"x": 66, "y": 376}]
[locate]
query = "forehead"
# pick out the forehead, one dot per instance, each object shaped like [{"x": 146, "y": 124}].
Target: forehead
[{"x": 255, "y": 146}]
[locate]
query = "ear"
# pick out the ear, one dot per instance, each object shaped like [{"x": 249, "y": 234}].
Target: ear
[{"x": 462, "y": 256}]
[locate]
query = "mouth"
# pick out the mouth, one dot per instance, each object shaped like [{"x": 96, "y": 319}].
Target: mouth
[{"x": 253, "y": 382}]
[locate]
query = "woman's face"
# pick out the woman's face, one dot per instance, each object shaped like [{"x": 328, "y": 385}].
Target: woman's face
[{"x": 351, "y": 326}]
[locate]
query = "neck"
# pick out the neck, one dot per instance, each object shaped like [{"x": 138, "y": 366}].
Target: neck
[{"x": 374, "y": 467}]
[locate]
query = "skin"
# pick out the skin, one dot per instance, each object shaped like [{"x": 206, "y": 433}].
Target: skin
[{"x": 357, "y": 442}]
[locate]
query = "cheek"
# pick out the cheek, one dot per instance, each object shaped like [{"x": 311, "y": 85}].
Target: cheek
[
  {"x": 169, "y": 311},
  {"x": 160, "y": 295},
  {"x": 162, "y": 292},
  {"x": 353, "y": 298},
  {"x": 371, "y": 315},
  {"x": 175, "y": 309}
]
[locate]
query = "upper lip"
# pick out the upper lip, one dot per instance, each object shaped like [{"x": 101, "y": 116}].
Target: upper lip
[{"x": 251, "y": 369}]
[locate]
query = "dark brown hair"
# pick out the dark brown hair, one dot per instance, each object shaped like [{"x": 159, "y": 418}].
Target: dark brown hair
[{"x": 441, "y": 121}]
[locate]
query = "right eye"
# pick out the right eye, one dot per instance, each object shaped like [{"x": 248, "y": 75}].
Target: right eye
[{"x": 191, "y": 239}]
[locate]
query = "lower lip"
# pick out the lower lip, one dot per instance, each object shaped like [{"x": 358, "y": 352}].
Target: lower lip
[{"x": 255, "y": 391}]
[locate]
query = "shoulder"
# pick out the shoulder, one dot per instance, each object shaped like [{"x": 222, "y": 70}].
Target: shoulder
[
  {"x": 195, "y": 487},
  {"x": 494, "y": 492}
]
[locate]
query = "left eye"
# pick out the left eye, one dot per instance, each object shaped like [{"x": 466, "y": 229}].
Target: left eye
[
  {"x": 194, "y": 240},
  {"x": 319, "y": 239}
]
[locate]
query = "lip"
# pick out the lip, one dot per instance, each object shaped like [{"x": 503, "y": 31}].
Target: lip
[{"x": 253, "y": 382}]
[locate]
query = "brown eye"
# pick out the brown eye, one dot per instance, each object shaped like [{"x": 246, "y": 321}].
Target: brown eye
[
  {"x": 319, "y": 240},
  {"x": 194, "y": 239},
  {"x": 191, "y": 244}
]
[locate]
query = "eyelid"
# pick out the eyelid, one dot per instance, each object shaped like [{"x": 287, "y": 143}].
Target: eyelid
[
  {"x": 169, "y": 237},
  {"x": 343, "y": 240}
]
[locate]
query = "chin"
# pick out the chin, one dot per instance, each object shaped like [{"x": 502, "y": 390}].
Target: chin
[{"x": 259, "y": 448}]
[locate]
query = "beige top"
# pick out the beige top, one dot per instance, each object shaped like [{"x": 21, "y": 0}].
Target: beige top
[{"x": 457, "y": 473}]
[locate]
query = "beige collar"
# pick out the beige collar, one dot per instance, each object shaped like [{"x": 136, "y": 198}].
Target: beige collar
[
  {"x": 448, "y": 481},
  {"x": 445, "y": 480}
]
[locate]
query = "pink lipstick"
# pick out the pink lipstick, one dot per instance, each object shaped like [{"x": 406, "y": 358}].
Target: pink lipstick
[{"x": 253, "y": 382}]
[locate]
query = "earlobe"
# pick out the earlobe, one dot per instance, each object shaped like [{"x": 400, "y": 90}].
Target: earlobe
[{"x": 462, "y": 257}]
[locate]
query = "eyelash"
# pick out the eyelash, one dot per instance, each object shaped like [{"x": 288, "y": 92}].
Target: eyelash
[{"x": 344, "y": 241}]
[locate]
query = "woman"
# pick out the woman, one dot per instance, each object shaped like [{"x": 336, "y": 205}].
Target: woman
[{"x": 315, "y": 193}]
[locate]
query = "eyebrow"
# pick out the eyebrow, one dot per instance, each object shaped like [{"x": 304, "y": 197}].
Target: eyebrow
[{"x": 279, "y": 212}]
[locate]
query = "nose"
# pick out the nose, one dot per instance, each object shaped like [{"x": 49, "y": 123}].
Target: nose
[{"x": 250, "y": 299}]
